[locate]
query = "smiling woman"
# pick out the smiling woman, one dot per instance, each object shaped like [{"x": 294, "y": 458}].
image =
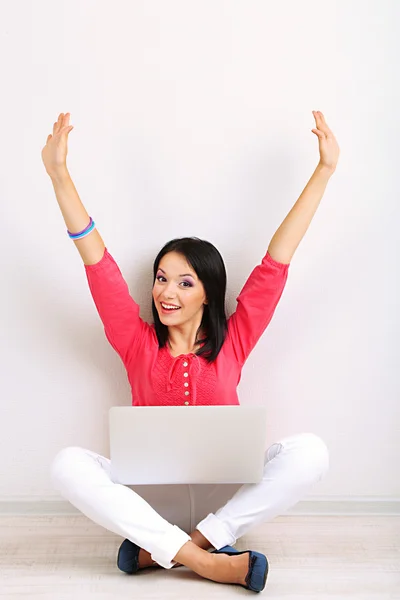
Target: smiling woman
[{"x": 189, "y": 273}]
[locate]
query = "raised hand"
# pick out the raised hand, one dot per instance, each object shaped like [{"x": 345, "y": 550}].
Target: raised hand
[
  {"x": 328, "y": 146},
  {"x": 54, "y": 154}
]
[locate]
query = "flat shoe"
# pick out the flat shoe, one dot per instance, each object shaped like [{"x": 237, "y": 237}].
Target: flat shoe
[
  {"x": 258, "y": 568},
  {"x": 128, "y": 557}
]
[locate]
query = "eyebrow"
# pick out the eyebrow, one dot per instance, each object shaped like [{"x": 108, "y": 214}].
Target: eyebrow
[{"x": 184, "y": 274}]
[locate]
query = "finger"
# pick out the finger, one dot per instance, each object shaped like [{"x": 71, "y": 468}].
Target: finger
[
  {"x": 66, "y": 128},
  {"x": 319, "y": 133},
  {"x": 321, "y": 123},
  {"x": 61, "y": 122},
  {"x": 319, "y": 117},
  {"x": 57, "y": 125},
  {"x": 48, "y": 138}
]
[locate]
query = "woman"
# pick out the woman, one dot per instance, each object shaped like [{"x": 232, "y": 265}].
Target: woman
[{"x": 191, "y": 355}]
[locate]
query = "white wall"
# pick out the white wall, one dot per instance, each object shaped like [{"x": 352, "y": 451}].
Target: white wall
[{"x": 194, "y": 118}]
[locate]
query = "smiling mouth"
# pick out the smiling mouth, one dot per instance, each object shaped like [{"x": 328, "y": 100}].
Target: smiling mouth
[{"x": 168, "y": 310}]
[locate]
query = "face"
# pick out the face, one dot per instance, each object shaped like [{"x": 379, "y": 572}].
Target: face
[{"x": 177, "y": 284}]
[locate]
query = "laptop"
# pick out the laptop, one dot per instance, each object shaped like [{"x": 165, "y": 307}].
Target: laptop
[{"x": 187, "y": 444}]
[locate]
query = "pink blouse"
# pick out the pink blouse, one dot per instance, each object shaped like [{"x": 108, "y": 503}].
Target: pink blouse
[{"x": 156, "y": 377}]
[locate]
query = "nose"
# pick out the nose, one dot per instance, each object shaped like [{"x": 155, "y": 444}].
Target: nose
[{"x": 167, "y": 294}]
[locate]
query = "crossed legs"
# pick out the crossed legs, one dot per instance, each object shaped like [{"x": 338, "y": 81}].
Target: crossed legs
[{"x": 292, "y": 466}]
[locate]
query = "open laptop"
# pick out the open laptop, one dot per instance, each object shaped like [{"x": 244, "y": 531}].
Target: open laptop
[{"x": 187, "y": 444}]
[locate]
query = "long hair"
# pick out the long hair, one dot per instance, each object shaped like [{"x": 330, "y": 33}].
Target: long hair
[{"x": 209, "y": 267}]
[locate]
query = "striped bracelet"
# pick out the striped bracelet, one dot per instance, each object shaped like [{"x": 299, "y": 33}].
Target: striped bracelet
[{"x": 81, "y": 234}]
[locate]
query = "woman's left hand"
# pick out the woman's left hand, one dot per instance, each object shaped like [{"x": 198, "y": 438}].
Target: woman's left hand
[{"x": 328, "y": 146}]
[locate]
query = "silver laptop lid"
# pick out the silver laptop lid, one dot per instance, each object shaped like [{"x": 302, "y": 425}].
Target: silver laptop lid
[{"x": 187, "y": 444}]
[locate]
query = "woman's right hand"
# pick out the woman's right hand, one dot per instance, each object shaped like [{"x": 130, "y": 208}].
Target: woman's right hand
[{"x": 54, "y": 154}]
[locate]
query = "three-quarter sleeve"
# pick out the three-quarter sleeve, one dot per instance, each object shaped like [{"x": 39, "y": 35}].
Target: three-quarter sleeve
[
  {"x": 256, "y": 306},
  {"x": 118, "y": 311}
]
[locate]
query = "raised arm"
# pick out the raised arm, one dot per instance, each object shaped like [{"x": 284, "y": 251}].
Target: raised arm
[
  {"x": 54, "y": 155},
  {"x": 256, "y": 306},
  {"x": 262, "y": 291},
  {"x": 290, "y": 233},
  {"x": 124, "y": 328}
]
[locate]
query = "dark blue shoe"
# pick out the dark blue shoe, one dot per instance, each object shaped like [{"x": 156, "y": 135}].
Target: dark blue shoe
[
  {"x": 258, "y": 567},
  {"x": 128, "y": 557}
]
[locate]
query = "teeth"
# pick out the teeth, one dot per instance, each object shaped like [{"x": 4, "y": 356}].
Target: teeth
[{"x": 169, "y": 307}]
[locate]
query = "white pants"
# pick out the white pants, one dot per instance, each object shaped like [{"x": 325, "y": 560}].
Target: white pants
[{"x": 222, "y": 512}]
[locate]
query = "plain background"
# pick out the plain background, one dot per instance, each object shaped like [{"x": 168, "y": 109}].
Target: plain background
[{"x": 194, "y": 119}]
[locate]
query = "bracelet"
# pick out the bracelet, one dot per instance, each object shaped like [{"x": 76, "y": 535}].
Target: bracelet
[{"x": 84, "y": 232}]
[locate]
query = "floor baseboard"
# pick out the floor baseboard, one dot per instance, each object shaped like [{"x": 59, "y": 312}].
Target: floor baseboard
[{"x": 318, "y": 506}]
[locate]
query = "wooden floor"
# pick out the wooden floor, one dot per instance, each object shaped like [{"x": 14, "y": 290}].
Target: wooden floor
[{"x": 324, "y": 557}]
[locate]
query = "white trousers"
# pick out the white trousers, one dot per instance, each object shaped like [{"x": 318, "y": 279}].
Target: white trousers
[{"x": 160, "y": 518}]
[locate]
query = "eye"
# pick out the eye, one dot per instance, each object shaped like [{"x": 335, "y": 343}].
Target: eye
[{"x": 187, "y": 282}]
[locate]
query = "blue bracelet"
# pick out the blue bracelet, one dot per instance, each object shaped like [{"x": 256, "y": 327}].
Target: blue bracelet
[{"x": 84, "y": 232}]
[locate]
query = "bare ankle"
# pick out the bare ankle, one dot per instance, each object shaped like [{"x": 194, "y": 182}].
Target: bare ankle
[
  {"x": 145, "y": 559},
  {"x": 193, "y": 557},
  {"x": 200, "y": 541}
]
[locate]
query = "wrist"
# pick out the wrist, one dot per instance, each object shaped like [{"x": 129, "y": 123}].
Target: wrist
[
  {"x": 325, "y": 169},
  {"x": 60, "y": 175}
]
